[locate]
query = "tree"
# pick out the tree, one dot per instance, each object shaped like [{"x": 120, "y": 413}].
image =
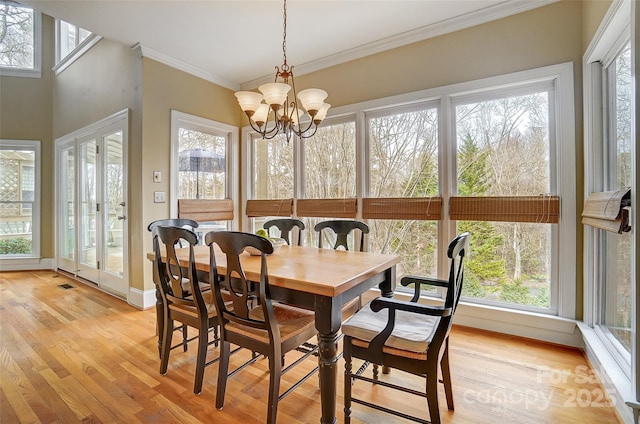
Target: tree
[{"x": 16, "y": 36}]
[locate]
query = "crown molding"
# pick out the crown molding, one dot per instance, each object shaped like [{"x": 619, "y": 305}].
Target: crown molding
[
  {"x": 143, "y": 51},
  {"x": 498, "y": 11}
]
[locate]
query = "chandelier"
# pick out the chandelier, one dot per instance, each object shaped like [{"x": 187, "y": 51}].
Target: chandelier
[{"x": 271, "y": 112}]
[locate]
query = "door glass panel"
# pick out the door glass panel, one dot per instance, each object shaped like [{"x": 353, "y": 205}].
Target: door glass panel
[
  {"x": 88, "y": 204},
  {"x": 114, "y": 204},
  {"x": 67, "y": 202}
]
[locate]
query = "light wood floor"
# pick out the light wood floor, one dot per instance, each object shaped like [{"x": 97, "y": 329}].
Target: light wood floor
[{"x": 82, "y": 356}]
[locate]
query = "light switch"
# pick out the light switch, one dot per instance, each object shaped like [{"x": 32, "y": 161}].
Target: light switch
[
  {"x": 159, "y": 197},
  {"x": 157, "y": 176}
]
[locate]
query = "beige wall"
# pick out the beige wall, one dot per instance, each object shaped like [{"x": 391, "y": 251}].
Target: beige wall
[
  {"x": 544, "y": 36},
  {"x": 166, "y": 88},
  {"x": 26, "y": 114},
  {"x": 592, "y": 13}
]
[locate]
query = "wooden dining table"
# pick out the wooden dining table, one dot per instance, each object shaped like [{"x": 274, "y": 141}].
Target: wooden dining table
[{"x": 322, "y": 280}]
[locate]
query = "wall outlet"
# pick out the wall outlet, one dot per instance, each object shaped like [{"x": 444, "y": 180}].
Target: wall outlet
[
  {"x": 157, "y": 176},
  {"x": 159, "y": 197}
]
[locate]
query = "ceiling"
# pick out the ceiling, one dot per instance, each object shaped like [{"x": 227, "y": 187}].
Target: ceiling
[{"x": 238, "y": 43}]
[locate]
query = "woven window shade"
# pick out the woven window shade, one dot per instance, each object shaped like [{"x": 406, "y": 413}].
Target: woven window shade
[
  {"x": 422, "y": 208},
  {"x": 327, "y": 208},
  {"x": 540, "y": 209},
  {"x": 203, "y": 210},
  {"x": 608, "y": 210},
  {"x": 271, "y": 207}
]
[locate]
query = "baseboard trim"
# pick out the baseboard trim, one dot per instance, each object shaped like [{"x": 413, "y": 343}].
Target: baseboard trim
[{"x": 142, "y": 299}]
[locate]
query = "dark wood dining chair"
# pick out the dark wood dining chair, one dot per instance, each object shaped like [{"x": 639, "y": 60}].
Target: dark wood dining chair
[
  {"x": 286, "y": 226},
  {"x": 170, "y": 222},
  {"x": 341, "y": 229},
  {"x": 266, "y": 327},
  {"x": 408, "y": 336},
  {"x": 191, "y": 307}
]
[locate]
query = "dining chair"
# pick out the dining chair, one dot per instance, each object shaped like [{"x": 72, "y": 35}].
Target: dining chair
[
  {"x": 191, "y": 307},
  {"x": 286, "y": 226},
  {"x": 341, "y": 229},
  {"x": 171, "y": 222},
  {"x": 408, "y": 336},
  {"x": 266, "y": 327}
]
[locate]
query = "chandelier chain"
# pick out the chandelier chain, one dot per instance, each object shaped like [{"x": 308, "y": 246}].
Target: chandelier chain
[{"x": 284, "y": 35}]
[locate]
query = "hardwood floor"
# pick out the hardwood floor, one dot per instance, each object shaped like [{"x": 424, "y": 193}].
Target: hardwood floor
[{"x": 81, "y": 356}]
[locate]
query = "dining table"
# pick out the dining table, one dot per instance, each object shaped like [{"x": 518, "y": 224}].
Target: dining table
[{"x": 319, "y": 279}]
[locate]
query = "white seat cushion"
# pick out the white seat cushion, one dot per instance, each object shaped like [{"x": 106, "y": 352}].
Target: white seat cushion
[{"x": 412, "y": 332}]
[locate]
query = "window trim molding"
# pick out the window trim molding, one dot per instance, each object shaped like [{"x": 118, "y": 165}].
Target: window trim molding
[
  {"x": 36, "y": 71},
  {"x": 35, "y": 145},
  {"x": 75, "y": 54}
]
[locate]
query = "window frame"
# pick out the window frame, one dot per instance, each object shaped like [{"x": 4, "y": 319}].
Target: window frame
[
  {"x": 561, "y": 75},
  {"x": 36, "y": 71},
  {"x": 197, "y": 123},
  {"x": 63, "y": 63},
  {"x": 36, "y": 206}
]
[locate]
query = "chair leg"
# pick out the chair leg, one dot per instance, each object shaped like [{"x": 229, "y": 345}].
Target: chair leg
[
  {"x": 223, "y": 370},
  {"x": 347, "y": 385},
  {"x": 185, "y": 336},
  {"x": 203, "y": 343},
  {"x": 446, "y": 376},
  {"x": 275, "y": 373},
  {"x": 432, "y": 394},
  {"x": 166, "y": 344}
]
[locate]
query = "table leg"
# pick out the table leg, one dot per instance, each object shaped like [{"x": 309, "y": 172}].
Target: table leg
[
  {"x": 328, "y": 362},
  {"x": 328, "y": 322}
]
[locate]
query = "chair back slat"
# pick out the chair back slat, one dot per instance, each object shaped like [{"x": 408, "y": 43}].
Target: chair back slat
[
  {"x": 342, "y": 228},
  {"x": 240, "y": 291},
  {"x": 286, "y": 226}
]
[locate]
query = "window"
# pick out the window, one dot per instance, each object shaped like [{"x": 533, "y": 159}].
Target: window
[
  {"x": 503, "y": 149},
  {"x": 19, "y": 40},
  {"x": 615, "y": 304},
  {"x": 418, "y": 154},
  {"x": 69, "y": 38},
  {"x": 19, "y": 198},
  {"x": 71, "y": 43},
  {"x": 403, "y": 162},
  {"x": 202, "y": 150},
  {"x": 329, "y": 169}
]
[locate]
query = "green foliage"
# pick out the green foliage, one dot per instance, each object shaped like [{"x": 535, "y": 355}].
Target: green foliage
[
  {"x": 472, "y": 286},
  {"x": 15, "y": 246},
  {"x": 515, "y": 292},
  {"x": 473, "y": 176}
]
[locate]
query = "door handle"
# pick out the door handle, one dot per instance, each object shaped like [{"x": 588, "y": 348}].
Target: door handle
[
  {"x": 120, "y": 218},
  {"x": 121, "y": 203}
]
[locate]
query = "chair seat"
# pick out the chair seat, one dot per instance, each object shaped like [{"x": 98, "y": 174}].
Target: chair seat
[
  {"x": 292, "y": 321},
  {"x": 192, "y": 310},
  {"x": 411, "y": 333}
]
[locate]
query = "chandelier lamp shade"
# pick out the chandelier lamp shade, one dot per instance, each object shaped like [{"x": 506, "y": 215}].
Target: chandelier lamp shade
[{"x": 278, "y": 108}]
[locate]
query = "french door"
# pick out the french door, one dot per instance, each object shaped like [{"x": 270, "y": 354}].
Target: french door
[{"x": 91, "y": 203}]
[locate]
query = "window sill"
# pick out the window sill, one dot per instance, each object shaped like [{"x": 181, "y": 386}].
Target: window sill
[
  {"x": 614, "y": 380},
  {"x": 21, "y": 73},
  {"x": 21, "y": 263},
  {"x": 532, "y": 325}
]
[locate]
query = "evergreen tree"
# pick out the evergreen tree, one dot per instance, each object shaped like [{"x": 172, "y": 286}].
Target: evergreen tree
[{"x": 473, "y": 180}]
